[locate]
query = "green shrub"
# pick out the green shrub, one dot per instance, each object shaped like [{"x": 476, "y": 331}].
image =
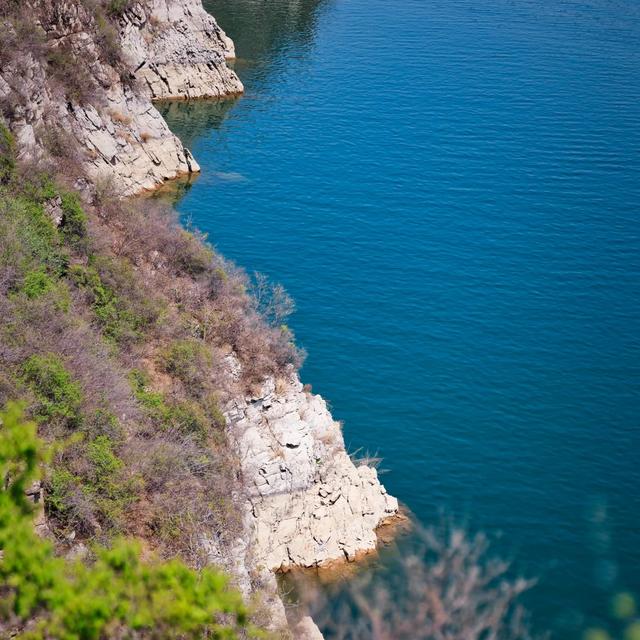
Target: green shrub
[
  {"x": 37, "y": 283},
  {"x": 111, "y": 488},
  {"x": 117, "y": 322},
  {"x": 74, "y": 219},
  {"x": 213, "y": 411},
  {"x": 185, "y": 416},
  {"x": 216, "y": 421},
  {"x": 156, "y": 406},
  {"x": 28, "y": 238},
  {"x": 117, "y": 595},
  {"x": 120, "y": 276},
  {"x": 39, "y": 188},
  {"x": 89, "y": 485},
  {"x": 7, "y": 154},
  {"x": 188, "y": 360},
  {"x": 60, "y": 487},
  {"x": 105, "y": 462},
  {"x": 189, "y": 418},
  {"x": 201, "y": 418},
  {"x": 103, "y": 422},
  {"x": 58, "y": 395}
]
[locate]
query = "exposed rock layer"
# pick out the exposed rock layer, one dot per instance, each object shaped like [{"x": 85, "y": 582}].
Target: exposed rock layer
[
  {"x": 178, "y": 50},
  {"x": 175, "y": 49},
  {"x": 309, "y": 504}
]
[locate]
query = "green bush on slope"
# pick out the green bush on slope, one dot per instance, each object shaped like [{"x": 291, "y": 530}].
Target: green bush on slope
[
  {"x": 74, "y": 219},
  {"x": 7, "y": 154},
  {"x": 59, "y": 396},
  {"x": 117, "y": 595},
  {"x": 92, "y": 294}
]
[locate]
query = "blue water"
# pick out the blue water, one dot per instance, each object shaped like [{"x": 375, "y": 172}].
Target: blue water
[{"x": 450, "y": 190}]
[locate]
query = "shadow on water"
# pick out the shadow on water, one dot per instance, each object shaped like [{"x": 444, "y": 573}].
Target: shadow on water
[
  {"x": 264, "y": 32},
  {"x": 191, "y": 120}
]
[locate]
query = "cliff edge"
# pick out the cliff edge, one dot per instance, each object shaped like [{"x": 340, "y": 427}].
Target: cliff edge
[
  {"x": 72, "y": 79},
  {"x": 77, "y": 86},
  {"x": 308, "y": 504}
]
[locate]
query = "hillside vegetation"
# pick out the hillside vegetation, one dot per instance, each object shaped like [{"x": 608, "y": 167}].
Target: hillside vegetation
[
  {"x": 114, "y": 594},
  {"x": 124, "y": 335}
]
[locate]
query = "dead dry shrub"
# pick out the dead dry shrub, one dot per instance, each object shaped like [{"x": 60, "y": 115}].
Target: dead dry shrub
[
  {"x": 449, "y": 587},
  {"x": 189, "y": 488},
  {"x": 67, "y": 68}
]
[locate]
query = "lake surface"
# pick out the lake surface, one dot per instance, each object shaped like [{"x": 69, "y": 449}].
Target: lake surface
[{"x": 450, "y": 190}]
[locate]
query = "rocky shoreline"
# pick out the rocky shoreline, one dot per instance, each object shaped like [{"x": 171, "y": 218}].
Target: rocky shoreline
[{"x": 305, "y": 503}]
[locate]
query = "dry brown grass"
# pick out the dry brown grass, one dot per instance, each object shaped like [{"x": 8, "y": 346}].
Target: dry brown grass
[{"x": 119, "y": 117}]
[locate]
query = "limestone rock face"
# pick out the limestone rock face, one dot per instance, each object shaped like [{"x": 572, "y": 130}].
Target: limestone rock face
[
  {"x": 178, "y": 50},
  {"x": 308, "y": 503},
  {"x": 125, "y": 141},
  {"x": 174, "y": 49},
  {"x": 131, "y": 143}
]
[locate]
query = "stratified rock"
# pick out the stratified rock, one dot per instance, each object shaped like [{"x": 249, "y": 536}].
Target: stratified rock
[
  {"x": 53, "y": 208},
  {"x": 309, "y": 504},
  {"x": 115, "y": 134},
  {"x": 179, "y": 50}
]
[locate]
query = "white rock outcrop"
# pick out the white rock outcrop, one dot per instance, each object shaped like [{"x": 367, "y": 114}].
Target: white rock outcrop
[
  {"x": 306, "y": 629},
  {"x": 308, "y": 503},
  {"x": 125, "y": 141},
  {"x": 178, "y": 50},
  {"x": 174, "y": 49}
]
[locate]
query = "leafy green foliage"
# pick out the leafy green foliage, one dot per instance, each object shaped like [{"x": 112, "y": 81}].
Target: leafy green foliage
[
  {"x": 106, "y": 463},
  {"x": 29, "y": 239},
  {"x": 187, "y": 416},
  {"x": 111, "y": 488},
  {"x": 74, "y": 219},
  {"x": 117, "y": 595},
  {"x": 7, "y": 154},
  {"x": 89, "y": 488},
  {"x": 59, "y": 395},
  {"x": 61, "y": 486},
  {"x": 153, "y": 401},
  {"x": 188, "y": 360},
  {"x": 37, "y": 283},
  {"x": 103, "y": 422},
  {"x": 117, "y": 321}
]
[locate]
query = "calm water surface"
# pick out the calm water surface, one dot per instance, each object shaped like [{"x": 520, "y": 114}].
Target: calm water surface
[{"x": 450, "y": 190}]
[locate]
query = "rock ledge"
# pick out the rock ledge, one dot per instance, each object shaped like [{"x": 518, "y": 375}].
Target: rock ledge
[{"x": 308, "y": 503}]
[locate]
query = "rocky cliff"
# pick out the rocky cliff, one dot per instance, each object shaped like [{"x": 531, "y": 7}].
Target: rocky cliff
[
  {"x": 305, "y": 502},
  {"x": 178, "y": 50},
  {"x": 155, "y": 50},
  {"x": 308, "y": 503}
]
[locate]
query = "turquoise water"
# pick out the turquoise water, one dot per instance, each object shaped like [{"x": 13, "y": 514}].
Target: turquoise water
[{"x": 451, "y": 192}]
